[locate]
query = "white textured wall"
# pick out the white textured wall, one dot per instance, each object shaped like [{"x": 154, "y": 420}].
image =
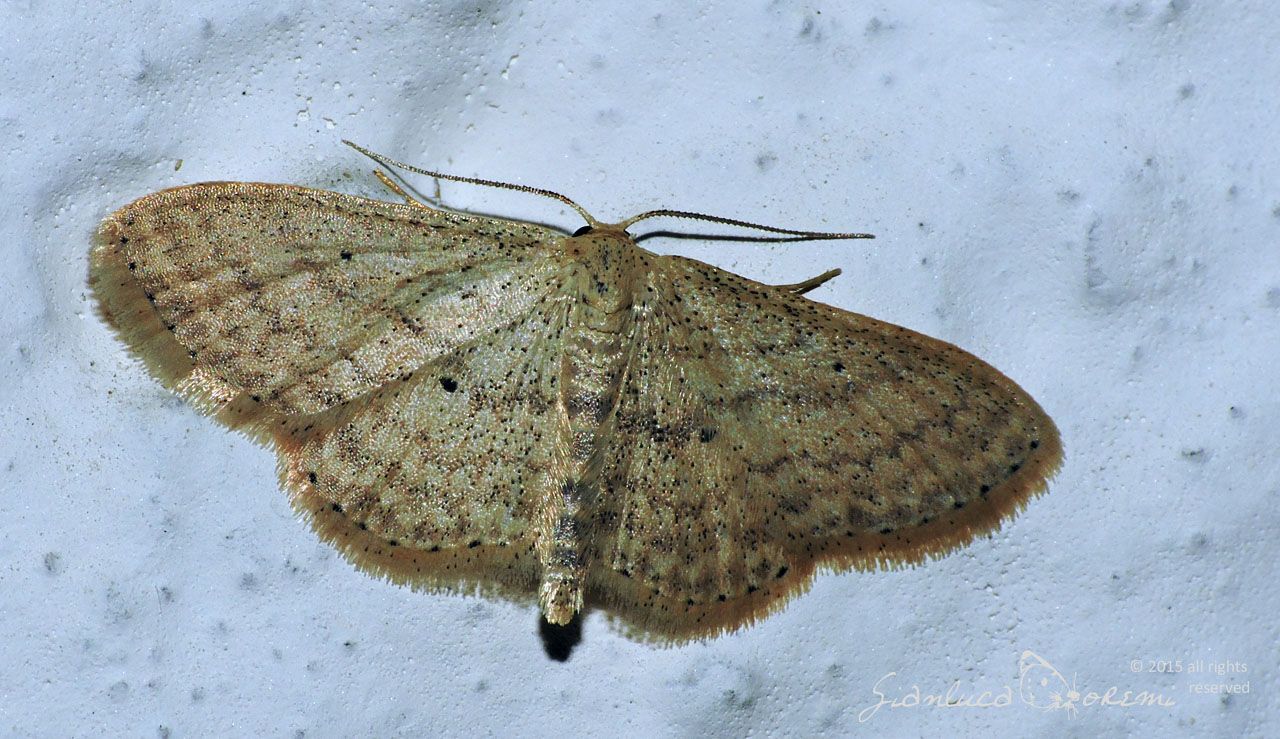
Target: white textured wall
[{"x": 1083, "y": 193}]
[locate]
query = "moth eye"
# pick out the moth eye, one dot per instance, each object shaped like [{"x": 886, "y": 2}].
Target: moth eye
[{"x": 582, "y": 231}]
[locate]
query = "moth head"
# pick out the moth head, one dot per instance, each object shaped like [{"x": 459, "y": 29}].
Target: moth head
[
  {"x": 603, "y": 230},
  {"x": 597, "y": 238}
]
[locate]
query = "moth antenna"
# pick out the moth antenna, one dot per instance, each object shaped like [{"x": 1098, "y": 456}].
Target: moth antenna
[
  {"x": 815, "y": 235},
  {"x": 393, "y": 164}
]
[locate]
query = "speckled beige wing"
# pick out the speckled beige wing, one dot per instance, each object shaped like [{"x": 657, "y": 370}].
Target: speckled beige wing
[
  {"x": 258, "y": 300},
  {"x": 762, "y": 435},
  {"x": 393, "y": 355},
  {"x": 439, "y": 479}
]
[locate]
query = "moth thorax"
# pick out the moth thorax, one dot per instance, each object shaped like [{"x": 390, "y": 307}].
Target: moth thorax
[{"x": 603, "y": 266}]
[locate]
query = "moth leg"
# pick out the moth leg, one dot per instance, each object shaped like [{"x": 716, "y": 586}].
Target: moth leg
[
  {"x": 800, "y": 288},
  {"x": 393, "y": 187}
]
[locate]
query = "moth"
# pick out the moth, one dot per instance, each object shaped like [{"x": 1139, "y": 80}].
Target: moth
[{"x": 471, "y": 404}]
